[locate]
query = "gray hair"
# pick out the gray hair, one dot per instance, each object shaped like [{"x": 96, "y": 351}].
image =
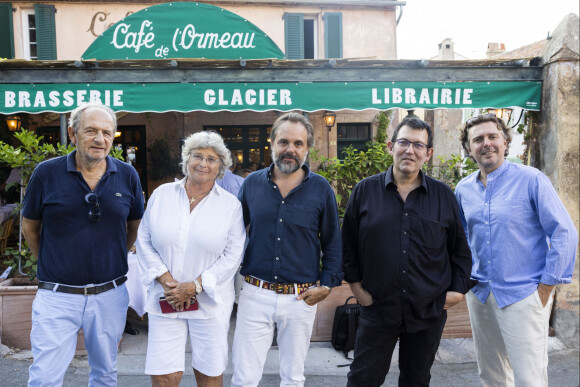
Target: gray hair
[
  {"x": 206, "y": 139},
  {"x": 76, "y": 115},
  {"x": 296, "y": 118}
]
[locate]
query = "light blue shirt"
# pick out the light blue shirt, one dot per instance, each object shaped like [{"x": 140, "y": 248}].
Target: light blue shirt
[
  {"x": 519, "y": 232},
  {"x": 231, "y": 182}
]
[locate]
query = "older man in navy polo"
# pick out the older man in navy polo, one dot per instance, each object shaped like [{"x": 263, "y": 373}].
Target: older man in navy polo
[{"x": 81, "y": 212}]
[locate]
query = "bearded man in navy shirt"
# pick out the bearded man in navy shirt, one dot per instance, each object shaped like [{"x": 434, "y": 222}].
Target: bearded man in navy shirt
[
  {"x": 80, "y": 214},
  {"x": 292, "y": 216}
]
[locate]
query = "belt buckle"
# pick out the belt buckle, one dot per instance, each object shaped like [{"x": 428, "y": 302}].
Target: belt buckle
[
  {"x": 278, "y": 288},
  {"x": 85, "y": 291}
]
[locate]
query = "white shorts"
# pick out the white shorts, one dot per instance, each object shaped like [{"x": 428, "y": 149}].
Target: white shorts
[{"x": 167, "y": 339}]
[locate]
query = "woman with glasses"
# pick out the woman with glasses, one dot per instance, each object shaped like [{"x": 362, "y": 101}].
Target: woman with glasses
[{"x": 190, "y": 244}]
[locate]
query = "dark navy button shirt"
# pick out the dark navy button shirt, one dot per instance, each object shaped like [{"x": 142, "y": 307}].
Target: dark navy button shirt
[
  {"x": 72, "y": 249},
  {"x": 407, "y": 254},
  {"x": 287, "y": 235}
]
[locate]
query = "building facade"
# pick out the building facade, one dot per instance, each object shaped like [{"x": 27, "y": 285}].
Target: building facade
[{"x": 302, "y": 29}]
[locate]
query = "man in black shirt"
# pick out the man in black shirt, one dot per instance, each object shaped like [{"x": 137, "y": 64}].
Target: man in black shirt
[{"x": 406, "y": 258}]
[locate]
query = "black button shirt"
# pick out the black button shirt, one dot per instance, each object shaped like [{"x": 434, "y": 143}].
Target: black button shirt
[{"x": 407, "y": 254}]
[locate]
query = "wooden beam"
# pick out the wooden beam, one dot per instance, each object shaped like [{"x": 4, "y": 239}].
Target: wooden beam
[{"x": 306, "y": 74}]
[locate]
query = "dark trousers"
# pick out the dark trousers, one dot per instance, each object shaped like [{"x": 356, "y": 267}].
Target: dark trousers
[{"x": 374, "y": 348}]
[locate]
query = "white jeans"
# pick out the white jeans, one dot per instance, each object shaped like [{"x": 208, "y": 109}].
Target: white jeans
[
  {"x": 258, "y": 311},
  {"x": 511, "y": 344},
  {"x": 56, "y": 320}
]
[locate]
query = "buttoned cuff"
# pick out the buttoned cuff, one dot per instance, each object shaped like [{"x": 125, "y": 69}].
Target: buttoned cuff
[
  {"x": 351, "y": 276},
  {"x": 549, "y": 279},
  {"x": 208, "y": 283},
  {"x": 152, "y": 273},
  {"x": 461, "y": 284},
  {"x": 330, "y": 279}
]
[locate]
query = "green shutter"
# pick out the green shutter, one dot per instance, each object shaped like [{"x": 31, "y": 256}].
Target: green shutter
[
  {"x": 333, "y": 34},
  {"x": 6, "y": 31},
  {"x": 294, "y": 35},
  {"x": 45, "y": 31}
]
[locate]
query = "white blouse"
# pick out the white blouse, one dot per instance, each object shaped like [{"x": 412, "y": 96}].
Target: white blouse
[{"x": 208, "y": 241}]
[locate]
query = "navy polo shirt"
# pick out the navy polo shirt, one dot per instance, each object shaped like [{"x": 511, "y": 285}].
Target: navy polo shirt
[
  {"x": 287, "y": 235},
  {"x": 72, "y": 249}
]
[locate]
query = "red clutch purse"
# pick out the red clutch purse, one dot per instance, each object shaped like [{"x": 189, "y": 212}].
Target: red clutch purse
[{"x": 167, "y": 308}]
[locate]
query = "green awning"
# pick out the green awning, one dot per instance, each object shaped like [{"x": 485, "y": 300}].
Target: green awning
[{"x": 306, "y": 96}]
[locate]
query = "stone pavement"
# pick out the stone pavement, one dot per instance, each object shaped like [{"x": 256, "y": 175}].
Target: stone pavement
[{"x": 454, "y": 365}]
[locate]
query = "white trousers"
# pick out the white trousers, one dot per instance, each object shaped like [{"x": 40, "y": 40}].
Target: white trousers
[
  {"x": 511, "y": 344},
  {"x": 258, "y": 311},
  {"x": 56, "y": 321}
]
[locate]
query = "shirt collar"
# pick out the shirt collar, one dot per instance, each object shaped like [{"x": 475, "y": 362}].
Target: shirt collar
[
  {"x": 71, "y": 163},
  {"x": 389, "y": 179},
  {"x": 181, "y": 183},
  {"x": 304, "y": 167},
  {"x": 497, "y": 172}
]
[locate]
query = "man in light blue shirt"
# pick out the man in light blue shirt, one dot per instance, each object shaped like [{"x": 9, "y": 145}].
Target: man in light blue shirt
[
  {"x": 231, "y": 182},
  {"x": 523, "y": 244}
]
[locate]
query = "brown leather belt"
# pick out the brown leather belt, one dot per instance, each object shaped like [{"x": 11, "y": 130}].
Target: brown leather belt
[
  {"x": 88, "y": 291},
  {"x": 279, "y": 288}
]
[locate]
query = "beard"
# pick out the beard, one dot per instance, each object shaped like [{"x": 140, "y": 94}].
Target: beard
[{"x": 288, "y": 167}]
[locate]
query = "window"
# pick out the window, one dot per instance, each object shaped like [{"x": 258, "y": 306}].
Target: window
[
  {"x": 38, "y": 35},
  {"x": 354, "y": 134},
  {"x": 250, "y": 144},
  {"x": 29, "y": 34},
  {"x": 6, "y": 31},
  {"x": 301, "y": 35},
  {"x": 310, "y": 38}
]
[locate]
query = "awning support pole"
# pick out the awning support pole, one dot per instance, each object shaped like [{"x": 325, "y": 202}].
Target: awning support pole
[{"x": 63, "y": 129}]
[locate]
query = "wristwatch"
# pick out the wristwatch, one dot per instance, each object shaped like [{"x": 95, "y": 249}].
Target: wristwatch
[
  {"x": 198, "y": 288},
  {"x": 327, "y": 287}
]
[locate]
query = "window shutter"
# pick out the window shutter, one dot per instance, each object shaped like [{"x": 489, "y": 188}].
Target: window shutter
[
  {"x": 45, "y": 31},
  {"x": 333, "y": 34},
  {"x": 6, "y": 31},
  {"x": 294, "y": 35}
]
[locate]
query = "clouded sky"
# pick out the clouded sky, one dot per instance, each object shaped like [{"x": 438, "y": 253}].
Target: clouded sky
[{"x": 471, "y": 24}]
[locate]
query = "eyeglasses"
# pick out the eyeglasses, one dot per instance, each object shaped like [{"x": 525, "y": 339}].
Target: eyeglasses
[
  {"x": 419, "y": 146},
  {"x": 95, "y": 212},
  {"x": 197, "y": 158}
]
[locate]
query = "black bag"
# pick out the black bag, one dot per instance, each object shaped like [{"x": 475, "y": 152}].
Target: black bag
[{"x": 344, "y": 326}]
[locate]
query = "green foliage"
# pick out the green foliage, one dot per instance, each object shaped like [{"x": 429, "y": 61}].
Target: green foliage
[
  {"x": 451, "y": 170},
  {"x": 116, "y": 153},
  {"x": 30, "y": 153},
  {"x": 356, "y": 165},
  {"x": 384, "y": 120},
  {"x": 25, "y": 256},
  {"x": 162, "y": 162}
]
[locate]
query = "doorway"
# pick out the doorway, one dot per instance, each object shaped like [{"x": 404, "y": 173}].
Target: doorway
[{"x": 249, "y": 144}]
